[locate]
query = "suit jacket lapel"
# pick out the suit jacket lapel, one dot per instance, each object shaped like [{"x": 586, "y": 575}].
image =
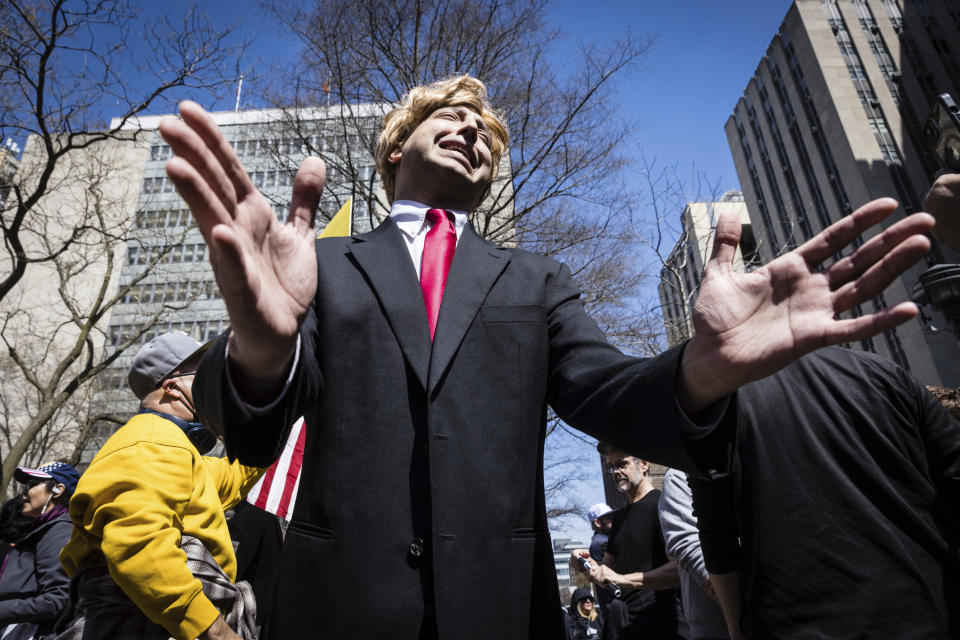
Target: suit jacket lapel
[
  {"x": 383, "y": 256},
  {"x": 476, "y": 266}
]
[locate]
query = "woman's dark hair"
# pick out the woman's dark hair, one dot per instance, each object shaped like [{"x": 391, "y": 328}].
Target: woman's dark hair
[
  {"x": 61, "y": 500},
  {"x": 13, "y": 524}
]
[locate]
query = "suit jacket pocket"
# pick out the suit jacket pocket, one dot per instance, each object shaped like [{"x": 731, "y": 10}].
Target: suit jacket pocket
[
  {"x": 513, "y": 313},
  {"x": 312, "y": 530}
]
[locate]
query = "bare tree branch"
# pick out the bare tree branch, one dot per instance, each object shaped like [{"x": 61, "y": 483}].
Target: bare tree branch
[{"x": 72, "y": 89}]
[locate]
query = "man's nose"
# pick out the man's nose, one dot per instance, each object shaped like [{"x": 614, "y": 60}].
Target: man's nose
[{"x": 469, "y": 130}]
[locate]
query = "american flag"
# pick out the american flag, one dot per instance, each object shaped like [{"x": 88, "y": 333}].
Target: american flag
[{"x": 276, "y": 491}]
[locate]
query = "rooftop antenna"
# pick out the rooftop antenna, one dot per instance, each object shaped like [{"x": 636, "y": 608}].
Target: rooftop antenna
[{"x": 239, "y": 87}]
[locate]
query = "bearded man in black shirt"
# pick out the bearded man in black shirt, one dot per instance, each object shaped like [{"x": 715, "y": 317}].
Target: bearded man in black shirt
[{"x": 636, "y": 559}]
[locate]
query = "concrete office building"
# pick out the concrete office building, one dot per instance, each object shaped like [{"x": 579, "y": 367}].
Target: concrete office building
[
  {"x": 567, "y": 582},
  {"x": 8, "y": 167},
  {"x": 832, "y": 118}
]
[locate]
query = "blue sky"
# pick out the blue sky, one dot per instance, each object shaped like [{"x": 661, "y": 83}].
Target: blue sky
[{"x": 704, "y": 54}]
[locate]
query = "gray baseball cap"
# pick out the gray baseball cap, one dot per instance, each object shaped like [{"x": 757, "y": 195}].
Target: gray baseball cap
[{"x": 159, "y": 358}]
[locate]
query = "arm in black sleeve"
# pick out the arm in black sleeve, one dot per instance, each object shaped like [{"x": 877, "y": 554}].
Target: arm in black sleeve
[
  {"x": 625, "y": 401},
  {"x": 53, "y": 586},
  {"x": 714, "y": 508},
  {"x": 256, "y": 437}
]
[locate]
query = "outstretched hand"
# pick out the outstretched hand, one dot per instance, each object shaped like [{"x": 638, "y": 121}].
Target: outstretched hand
[
  {"x": 750, "y": 325},
  {"x": 266, "y": 270}
]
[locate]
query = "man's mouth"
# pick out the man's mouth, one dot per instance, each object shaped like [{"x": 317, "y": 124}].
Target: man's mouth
[{"x": 451, "y": 145}]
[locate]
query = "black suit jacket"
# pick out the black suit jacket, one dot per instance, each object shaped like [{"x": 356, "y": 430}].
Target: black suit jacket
[{"x": 408, "y": 440}]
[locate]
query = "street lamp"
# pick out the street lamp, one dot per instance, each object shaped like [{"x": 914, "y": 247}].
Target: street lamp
[{"x": 939, "y": 286}]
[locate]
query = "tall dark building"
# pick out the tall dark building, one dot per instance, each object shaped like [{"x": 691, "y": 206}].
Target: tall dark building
[{"x": 832, "y": 118}]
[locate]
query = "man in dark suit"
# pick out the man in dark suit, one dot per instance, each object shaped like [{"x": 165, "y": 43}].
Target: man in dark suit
[{"x": 421, "y": 507}]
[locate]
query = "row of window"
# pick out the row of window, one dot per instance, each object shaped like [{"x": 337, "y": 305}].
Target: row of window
[
  {"x": 201, "y": 330},
  {"x": 815, "y": 127},
  {"x": 262, "y": 180},
  {"x": 195, "y": 252},
  {"x": 164, "y": 218},
  {"x": 755, "y": 181},
  {"x": 268, "y": 148},
  {"x": 271, "y": 179},
  {"x": 887, "y": 145},
  {"x": 289, "y": 147},
  {"x": 172, "y": 292},
  {"x": 799, "y": 145},
  {"x": 160, "y": 152},
  {"x": 157, "y": 184}
]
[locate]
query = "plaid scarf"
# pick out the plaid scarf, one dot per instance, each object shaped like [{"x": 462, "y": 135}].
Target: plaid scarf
[{"x": 101, "y": 611}]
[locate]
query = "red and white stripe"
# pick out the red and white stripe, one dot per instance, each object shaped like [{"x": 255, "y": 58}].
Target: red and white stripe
[{"x": 276, "y": 492}]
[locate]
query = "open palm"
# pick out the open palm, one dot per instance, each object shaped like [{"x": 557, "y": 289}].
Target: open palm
[
  {"x": 266, "y": 270},
  {"x": 749, "y": 325}
]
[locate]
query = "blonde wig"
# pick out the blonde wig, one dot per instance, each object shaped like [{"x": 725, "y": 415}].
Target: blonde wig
[{"x": 417, "y": 105}]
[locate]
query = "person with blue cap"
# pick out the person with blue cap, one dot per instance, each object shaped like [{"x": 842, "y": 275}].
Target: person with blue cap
[{"x": 34, "y": 589}]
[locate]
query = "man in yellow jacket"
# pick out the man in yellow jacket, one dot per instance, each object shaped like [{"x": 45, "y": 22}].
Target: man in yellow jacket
[{"x": 148, "y": 488}]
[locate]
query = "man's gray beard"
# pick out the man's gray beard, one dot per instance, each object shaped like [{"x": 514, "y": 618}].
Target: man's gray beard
[{"x": 624, "y": 486}]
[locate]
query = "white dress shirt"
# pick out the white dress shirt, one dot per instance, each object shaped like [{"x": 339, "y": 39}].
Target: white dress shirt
[{"x": 411, "y": 217}]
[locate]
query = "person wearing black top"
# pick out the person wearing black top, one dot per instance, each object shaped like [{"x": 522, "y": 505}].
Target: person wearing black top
[
  {"x": 844, "y": 492},
  {"x": 636, "y": 559},
  {"x": 258, "y": 539}
]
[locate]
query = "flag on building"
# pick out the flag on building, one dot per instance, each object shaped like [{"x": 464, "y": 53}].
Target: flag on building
[{"x": 276, "y": 492}]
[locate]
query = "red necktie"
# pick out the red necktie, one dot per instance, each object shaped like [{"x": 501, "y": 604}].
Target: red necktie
[{"x": 438, "y": 248}]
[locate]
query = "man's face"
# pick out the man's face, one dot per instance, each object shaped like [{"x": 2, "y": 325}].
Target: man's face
[
  {"x": 627, "y": 471},
  {"x": 183, "y": 382},
  {"x": 606, "y": 523},
  {"x": 446, "y": 161}
]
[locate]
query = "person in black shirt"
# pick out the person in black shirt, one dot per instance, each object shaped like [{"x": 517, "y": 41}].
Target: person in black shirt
[
  {"x": 839, "y": 517},
  {"x": 636, "y": 560},
  {"x": 258, "y": 539}
]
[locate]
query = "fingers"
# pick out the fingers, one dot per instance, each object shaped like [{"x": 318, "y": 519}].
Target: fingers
[
  {"x": 207, "y": 208},
  {"x": 837, "y": 236},
  {"x": 203, "y": 176},
  {"x": 879, "y": 276},
  {"x": 877, "y": 248},
  {"x": 725, "y": 241},
  {"x": 853, "y": 329},
  {"x": 307, "y": 187},
  {"x": 236, "y": 281},
  {"x": 219, "y": 163}
]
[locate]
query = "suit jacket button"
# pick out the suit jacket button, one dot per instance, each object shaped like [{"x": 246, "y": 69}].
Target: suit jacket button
[{"x": 416, "y": 548}]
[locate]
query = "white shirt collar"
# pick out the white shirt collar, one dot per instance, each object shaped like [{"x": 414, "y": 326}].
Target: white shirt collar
[{"x": 410, "y": 216}]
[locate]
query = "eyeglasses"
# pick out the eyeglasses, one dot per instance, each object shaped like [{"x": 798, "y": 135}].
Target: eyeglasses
[
  {"x": 33, "y": 483},
  {"x": 620, "y": 465}
]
